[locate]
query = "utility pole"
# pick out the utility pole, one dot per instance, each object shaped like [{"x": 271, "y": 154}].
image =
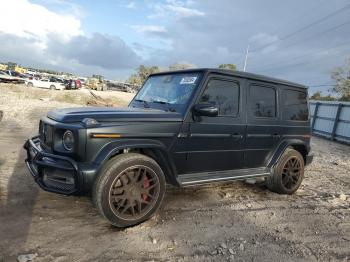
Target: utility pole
[{"x": 246, "y": 58}]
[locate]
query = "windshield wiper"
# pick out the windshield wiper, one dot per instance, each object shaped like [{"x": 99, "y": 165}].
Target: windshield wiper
[
  {"x": 161, "y": 102},
  {"x": 164, "y": 103},
  {"x": 145, "y": 103}
]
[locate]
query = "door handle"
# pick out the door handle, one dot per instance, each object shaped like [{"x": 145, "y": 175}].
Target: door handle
[
  {"x": 237, "y": 136},
  {"x": 182, "y": 135},
  {"x": 276, "y": 136}
]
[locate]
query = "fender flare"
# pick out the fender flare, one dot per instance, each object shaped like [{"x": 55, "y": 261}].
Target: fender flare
[
  {"x": 161, "y": 152},
  {"x": 275, "y": 156}
]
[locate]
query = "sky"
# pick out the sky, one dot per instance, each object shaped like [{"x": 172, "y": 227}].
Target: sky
[{"x": 296, "y": 40}]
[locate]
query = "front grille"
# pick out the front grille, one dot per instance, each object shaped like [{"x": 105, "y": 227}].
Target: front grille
[{"x": 46, "y": 134}]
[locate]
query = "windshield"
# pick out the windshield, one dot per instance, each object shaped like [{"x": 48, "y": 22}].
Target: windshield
[{"x": 169, "y": 92}]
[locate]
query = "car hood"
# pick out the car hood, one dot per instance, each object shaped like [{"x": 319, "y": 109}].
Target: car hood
[{"x": 108, "y": 114}]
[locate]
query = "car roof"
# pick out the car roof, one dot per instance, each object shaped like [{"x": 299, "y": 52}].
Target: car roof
[{"x": 235, "y": 73}]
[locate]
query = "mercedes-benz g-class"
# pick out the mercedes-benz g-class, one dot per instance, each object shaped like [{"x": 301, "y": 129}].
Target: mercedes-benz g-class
[{"x": 183, "y": 128}]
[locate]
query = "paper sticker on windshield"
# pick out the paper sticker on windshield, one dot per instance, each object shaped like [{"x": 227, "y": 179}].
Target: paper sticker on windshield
[{"x": 188, "y": 80}]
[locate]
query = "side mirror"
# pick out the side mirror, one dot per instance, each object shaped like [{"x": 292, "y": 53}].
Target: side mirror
[{"x": 205, "y": 110}]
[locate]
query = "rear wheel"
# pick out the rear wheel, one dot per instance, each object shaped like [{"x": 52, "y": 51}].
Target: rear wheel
[
  {"x": 129, "y": 189},
  {"x": 30, "y": 84},
  {"x": 52, "y": 87},
  {"x": 288, "y": 173}
]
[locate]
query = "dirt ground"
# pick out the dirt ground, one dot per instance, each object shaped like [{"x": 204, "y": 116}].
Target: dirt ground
[{"x": 225, "y": 222}]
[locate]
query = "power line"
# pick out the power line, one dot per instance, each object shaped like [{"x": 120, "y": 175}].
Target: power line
[
  {"x": 328, "y": 83},
  {"x": 292, "y": 65},
  {"x": 242, "y": 58},
  {"x": 285, "y": 67},
  {"x": 304, "y": 14},
  {"x": 302, "y": 56},
  {"x": 300, "y": 16},
  {"x": 308, "y": 38},
  {"x": 338, "y": 11},
  {"x": 321, "y": 85},
  {"x": 318, "y": 34}
]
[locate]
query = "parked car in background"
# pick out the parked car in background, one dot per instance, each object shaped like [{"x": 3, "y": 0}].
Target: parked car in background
[
  {"x": 5, "y": 77},
  {"x": 73, "y": 84},
  {"x": 56, "y": 79},
  {"x": 46, "y": 83},
  {"x": 82, "y": 81},
  {"x": 31, "y": 76},
  {"x": 14, "y": 74}
]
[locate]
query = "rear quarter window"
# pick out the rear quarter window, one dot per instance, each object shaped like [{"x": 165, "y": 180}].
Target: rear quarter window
[
  {"x": 295, "y": 106},
  {"x": 262, "y": 101}
]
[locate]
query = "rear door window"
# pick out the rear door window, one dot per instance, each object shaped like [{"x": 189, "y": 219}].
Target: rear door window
[
  {"x": 295, "y": 105},
  {"x": 262, "y": 101}
]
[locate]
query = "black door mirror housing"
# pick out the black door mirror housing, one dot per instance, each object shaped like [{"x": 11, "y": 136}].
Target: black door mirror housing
[{"x": 205, "y": 110}]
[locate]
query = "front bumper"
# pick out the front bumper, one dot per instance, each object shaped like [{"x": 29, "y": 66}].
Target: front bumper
[{"x": 53, "y": 173}]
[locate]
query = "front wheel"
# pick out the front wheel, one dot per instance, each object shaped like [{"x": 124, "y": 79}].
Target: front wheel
[
  {"x": 288, "y": 174},
  {"x": 52, "y": 87},
  {"x": 129, "y": 189}
]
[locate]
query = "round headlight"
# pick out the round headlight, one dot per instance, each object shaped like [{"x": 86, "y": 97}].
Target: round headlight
[{"x": 68, "y": 140}]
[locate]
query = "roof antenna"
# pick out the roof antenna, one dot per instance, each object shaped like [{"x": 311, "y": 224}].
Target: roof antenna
[{"x": 246, "y": 58}]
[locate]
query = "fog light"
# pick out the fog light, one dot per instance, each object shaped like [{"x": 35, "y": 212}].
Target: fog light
[{"x": 68, "y": 140}]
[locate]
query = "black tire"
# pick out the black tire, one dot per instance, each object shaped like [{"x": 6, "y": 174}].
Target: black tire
[
  {"x": 288, "y": 173},
  {"x": 120, "y": 193},
  {"x": 52, "y": 87},
  {"x": 30, "y": 84}
]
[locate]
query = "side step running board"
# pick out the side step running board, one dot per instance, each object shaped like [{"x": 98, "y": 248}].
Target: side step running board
[{"x": 221, "y": 176}]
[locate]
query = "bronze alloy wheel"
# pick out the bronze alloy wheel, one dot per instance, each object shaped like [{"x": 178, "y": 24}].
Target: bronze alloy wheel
[
  {"x": 288, "y": 173},
  {"x": 291, "y": 173},
  {"x": 134, "y": 192}
]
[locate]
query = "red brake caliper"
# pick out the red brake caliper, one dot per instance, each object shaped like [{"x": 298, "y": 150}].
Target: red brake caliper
[{"x": 145, "y": 185}]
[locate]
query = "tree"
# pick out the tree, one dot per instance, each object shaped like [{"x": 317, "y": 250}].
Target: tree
[
  {"x": 142, "y": 73},
  {"x": 181, "y": 65},
  {"x": 345, "y": 98},
  {"x": 135, "y": 80},
  {"x": 228, "y": 67},
  {"x": 11, "y": 65},
  {"x": 341, "y": 75},
  {"x": 318, "y": 96}
]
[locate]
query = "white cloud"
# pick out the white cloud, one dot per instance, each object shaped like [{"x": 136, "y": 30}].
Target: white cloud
[
  {"x": 24, "y": 19},
  {"x": 109, "y": 52},
  {"x": 181, "y": 11},
  {"x": 152, "y": 29},
  {"x": 174, "y": 9},
  {"x": 65, "y": 6},
  {"x": 32, "y": 35},
  {"x": 131, "y": 5}
]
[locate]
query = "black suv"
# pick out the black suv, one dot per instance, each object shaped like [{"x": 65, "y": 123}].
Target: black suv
[{"x": 183, "y": 128}]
